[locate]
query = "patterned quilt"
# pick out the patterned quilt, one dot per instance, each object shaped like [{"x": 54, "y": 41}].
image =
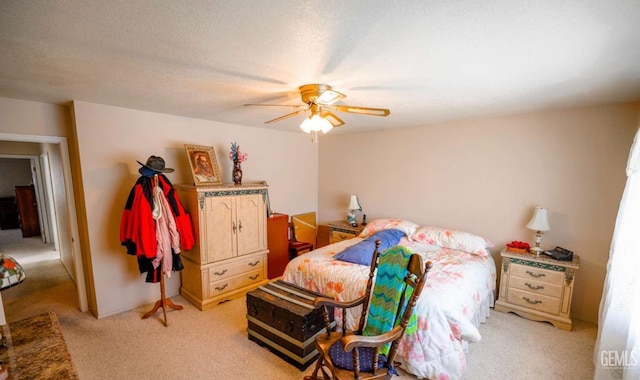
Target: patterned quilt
[{"x": 459, "y": 291}]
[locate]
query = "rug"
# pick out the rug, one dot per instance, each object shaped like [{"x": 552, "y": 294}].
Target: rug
[{"x": 36, "y": 349}]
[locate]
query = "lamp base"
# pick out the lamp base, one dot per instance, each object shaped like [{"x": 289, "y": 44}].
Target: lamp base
[
  {"x": 536, "y": 250},
  {"x": 351, "y": 219}
]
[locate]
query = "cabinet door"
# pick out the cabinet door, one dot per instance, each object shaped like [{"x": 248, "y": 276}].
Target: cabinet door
[
  {"x": 251, "y": 220},
  {"x": 219, "y": 216}
]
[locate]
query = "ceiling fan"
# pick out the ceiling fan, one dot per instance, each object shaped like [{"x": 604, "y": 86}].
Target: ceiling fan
[{"x": 321, "y": 100}]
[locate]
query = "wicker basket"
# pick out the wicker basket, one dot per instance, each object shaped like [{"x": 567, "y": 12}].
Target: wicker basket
[{"x": 517, "y": 250}]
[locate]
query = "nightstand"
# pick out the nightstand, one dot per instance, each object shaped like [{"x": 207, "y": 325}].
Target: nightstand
[
  {"x": 340, "y": 230},
  {"x": 537, "y": 287}
]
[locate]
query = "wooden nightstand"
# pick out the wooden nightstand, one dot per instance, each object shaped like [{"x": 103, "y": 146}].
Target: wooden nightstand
[
  {"x": 537, "y": 287},
  {"x": 339, "y": 231}
]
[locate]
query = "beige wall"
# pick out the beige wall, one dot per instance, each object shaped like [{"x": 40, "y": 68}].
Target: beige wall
[
  {"x": 33, "y": 118},
  {"x": 110, "y": 141},
  {"x": 486, "y": 176},
  {"x": 15, "y": 171}
]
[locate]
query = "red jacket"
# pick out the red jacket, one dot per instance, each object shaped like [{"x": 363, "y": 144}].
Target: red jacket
[{"x": 137, "y": 226}]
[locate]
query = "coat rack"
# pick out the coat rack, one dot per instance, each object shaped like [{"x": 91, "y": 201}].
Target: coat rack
[
  {"x": 151, "y": 193},
  {"x": 163, "y": 302}
]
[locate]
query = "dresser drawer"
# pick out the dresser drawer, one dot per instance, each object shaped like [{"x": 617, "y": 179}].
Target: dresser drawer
[
  {"x": 535, "y": 286},
  {"x": 550, "y": 305},
  {"x": 222, "y": 271},
  {"x": 539, "y": 274},
  {"x": 232, "y": 283},
  {"x": 336, "y": 236}
]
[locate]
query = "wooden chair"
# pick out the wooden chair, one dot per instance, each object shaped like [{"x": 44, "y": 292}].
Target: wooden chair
[
  {"x": 296, "y": 247},
  {"x": 306, "y": 227},
  {"x": 370, "y": 350},
  {"x": 303, "y": 233}
]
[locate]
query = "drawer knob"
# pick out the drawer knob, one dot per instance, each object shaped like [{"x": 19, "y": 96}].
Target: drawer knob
[
  {"x": 254, "y": 277},
  {"x": 536, "y": 275},
  {"x": 533, "y": 287},
  {"x": 220, "y": 273},
  {"x": 253, "y": 264},
  {"x": 219, "y": 288},
  {"x": 534, "y": 302}
]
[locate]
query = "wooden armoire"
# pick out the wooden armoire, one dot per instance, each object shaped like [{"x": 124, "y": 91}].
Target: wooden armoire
[{"x": 230, "y": 255}]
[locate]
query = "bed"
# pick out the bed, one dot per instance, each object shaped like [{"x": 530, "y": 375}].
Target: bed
[{"x": 458, "y": 295}]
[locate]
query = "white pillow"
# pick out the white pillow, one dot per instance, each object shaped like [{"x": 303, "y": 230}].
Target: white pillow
[{"x": 459, "y": 240}]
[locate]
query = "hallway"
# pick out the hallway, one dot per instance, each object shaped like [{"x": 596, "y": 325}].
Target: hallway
[{"x": 47, "y": 287}]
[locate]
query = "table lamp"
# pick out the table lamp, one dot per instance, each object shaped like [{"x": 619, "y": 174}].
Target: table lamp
[
  {"x": 538, "y": 223},
  {"x": 11, "y": 273},
  {"x": 354, "y": 206}
]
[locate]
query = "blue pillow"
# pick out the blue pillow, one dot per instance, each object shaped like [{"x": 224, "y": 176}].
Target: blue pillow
[{"x": 361, "y": 253}]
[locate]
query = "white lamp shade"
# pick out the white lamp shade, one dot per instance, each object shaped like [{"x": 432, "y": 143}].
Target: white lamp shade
[
  {"x": 539, "y": 222},
  {"x": 354, "y": 204},
  {"x": 316, "y": 123}
]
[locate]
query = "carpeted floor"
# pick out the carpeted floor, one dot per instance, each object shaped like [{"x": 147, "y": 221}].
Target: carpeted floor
[{"x": 213, "y": 344}]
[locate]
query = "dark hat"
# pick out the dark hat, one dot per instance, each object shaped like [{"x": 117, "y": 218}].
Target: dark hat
[{"x": 157, "y": 164}]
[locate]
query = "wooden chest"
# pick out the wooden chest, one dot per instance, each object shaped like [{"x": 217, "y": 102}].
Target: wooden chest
[{"x": 282, "y": 318}]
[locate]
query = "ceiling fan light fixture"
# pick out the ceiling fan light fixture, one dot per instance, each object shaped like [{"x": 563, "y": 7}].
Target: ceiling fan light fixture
[
  {"x": 321, "y": 100},
  {"x": 315, "y": 123}
]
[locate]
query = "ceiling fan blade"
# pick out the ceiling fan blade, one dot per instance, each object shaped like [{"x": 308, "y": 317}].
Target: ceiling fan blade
[
  {"x": 362, "y": 110},
  {"x": 333, "y": 119},
  {"x": 329, "y": 97},
  {"x": 278, "y": 105},
  {"x": 285, "y": 116}
]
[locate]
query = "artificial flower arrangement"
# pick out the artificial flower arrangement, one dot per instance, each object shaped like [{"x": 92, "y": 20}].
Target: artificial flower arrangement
[
  {"x": 235, "y": 155},
  {"x": 518, "y": 246}
]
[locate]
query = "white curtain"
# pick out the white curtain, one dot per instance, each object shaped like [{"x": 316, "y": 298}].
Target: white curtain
[{"x": 617, "y": 351}]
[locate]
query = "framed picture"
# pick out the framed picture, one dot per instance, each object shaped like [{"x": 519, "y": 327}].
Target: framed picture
[{"x": 204, "y": 166}]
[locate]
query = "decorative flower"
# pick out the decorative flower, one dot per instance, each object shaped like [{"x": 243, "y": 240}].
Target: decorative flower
[{"x": 235, "y": 155}]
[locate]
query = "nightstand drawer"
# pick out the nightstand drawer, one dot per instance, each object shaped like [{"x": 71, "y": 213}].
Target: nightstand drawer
[
  {"x": 538, "y": 274},
  {"x": 538, "y": 287},
  {"x": 339, "y": 231},
  {"x": 336, "y": 236},
  {"x": 534, "y": 301}
]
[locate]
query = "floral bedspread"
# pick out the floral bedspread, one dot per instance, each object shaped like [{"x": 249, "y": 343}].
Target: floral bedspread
[{"x": 456, "y": 299}]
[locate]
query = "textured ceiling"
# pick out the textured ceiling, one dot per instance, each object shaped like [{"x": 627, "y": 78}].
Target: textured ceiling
[{"x": 427, "y": 61}]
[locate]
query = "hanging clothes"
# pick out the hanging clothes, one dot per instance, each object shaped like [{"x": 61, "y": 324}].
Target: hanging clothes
[
  {"x": 139, "y": 229},
  {"x": 167, "y": 235}
]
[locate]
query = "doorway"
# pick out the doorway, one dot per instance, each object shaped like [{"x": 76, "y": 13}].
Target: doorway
[{"x": 58, "y": 195}]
